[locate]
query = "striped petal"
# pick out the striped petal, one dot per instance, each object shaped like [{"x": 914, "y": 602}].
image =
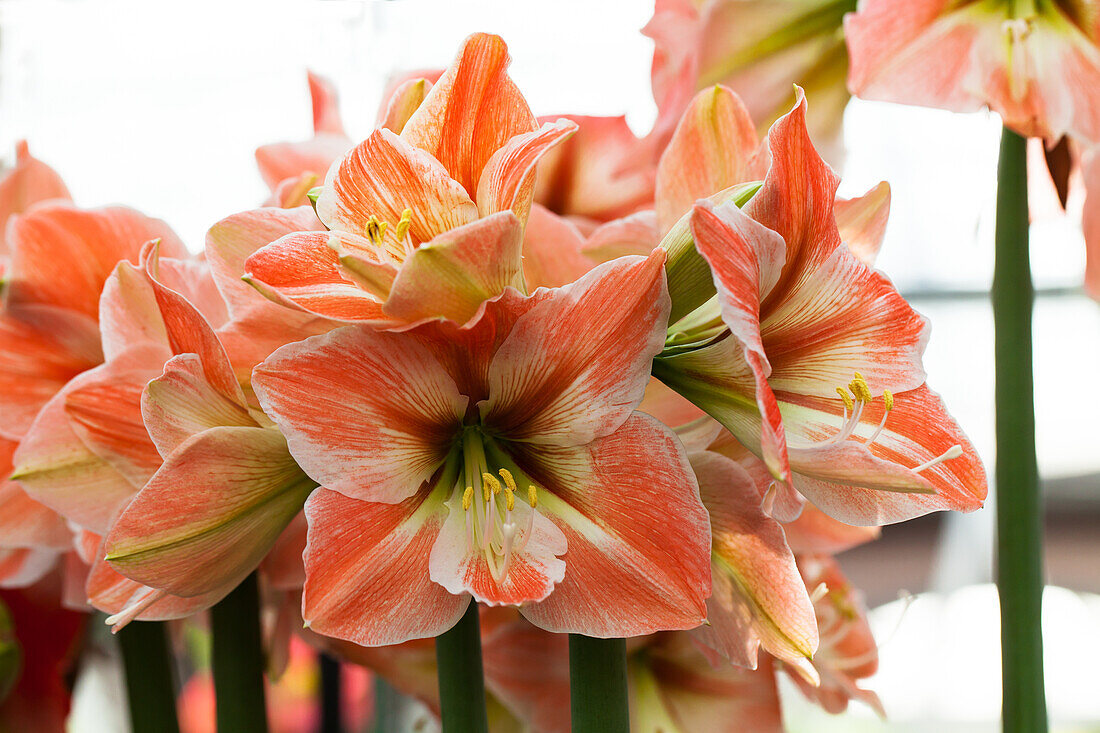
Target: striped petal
[
  {"x": 402, "y": 103},
  {"x": 367, "y": 578},
  {"x": 471, "y": 112},
  {"x": 639, "y": 542},
  {"x": 25, "y": 184},
  {"x": 576, "y": 364},
  {"x": 861, "y": 222},
  {"x": 508, "y": 181},
  {"x": 211, "y": 513},
  {"x": 552, "y": 250},
  {"x": 371, "y": 415},
  {"x": 23, "y": 521}
]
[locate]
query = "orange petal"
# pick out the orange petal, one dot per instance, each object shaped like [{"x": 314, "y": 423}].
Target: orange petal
[
  {"x": 279, "y": 162},
  {"x": 62, "y": 255},
  {"x": 453, "y": 274},
  {"x": 326, "y": 114},
  {"x": 862, "y": 220},
  {"x": 27, "y": 183},
  {"x": 24, "y": 522},
  {"x": 636, "y": 234},
  {"x": 552, "y": 250},
  {"x": 369, "y": 414},
  {"x": 711, "y": 150},
  {"x": 1090, "y": 223},
  {"x": 211, "y": 513},
  {"x": 471, "y": 112},
  {"x": 576, "y": 364},
  {"x": 384, "y": 175},
  {"x": 405, "y": 100},
  {"x": 508, "y": 181},
  {"x": 639, "y": 542},
  {"x": 367, "y": 570},
  {"x": 23, "y": 566}
]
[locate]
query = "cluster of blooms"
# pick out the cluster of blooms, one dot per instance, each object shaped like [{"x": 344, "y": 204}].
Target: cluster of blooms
[{"x": 598, "y": 384}]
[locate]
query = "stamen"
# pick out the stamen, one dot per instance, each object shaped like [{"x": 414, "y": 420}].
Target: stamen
[
  {"x": 509, "y": 481},
  {"x": 819, "y": 592},
  {"x": 848, "y": 404},
  {"x": 860, "y": 388},
  {"x": 491, "y": 481},
  {"x": 403, "y": 225},
  {"x": 510, "y": 498},
  {"x": 467, "y": 498},
  {"x": 119, "y": 621},
  {"x": 532, "y": 496},
  {"x": 376, "y": 230},
  {"x": 888, "y": 398},
  {"x": 953, "y": 452}
]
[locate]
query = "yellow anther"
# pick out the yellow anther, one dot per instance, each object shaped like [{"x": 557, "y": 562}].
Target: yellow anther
[
  {"x": 403, "y": 225},
  {"x": 485, "y": 493},
  {"x": 846, "y": 397},
  {"x": 467, "y": 498},
  {"x": 376, "y": 229},
  {"x": 532, "y": 496},
  {"x": 490, "y": 480},
  {"x": 859, "y": 388},
  {"x": 510, "y": 498},
  {"x": 888, "y": 398},
  {"x": 509, "y": 481}
]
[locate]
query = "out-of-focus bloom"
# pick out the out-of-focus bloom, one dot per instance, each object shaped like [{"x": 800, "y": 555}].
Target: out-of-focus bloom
[
  {"x": 1090, "y": 222},
  {"x": 284, "y": 165},
  {"x": 426, "y": 224},
  {"x": 807, "y": 355},
  {"x": 468, "y": 461},
  {"x": 25, "y": 184},
  {"x": 673, "y": 688},
  {"x": 848, "y": 652},
  {"x": 1037, "y": 64},
  {"x": 760, "y": 49},
  {"x": 47, "y": 636}
]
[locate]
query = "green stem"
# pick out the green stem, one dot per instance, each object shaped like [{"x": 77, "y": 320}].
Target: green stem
[
  {"x": 238, "y": 660},
  {"x": 461, "y": 681},
  {"x": 1019, "y": 507},
  {"x": 149, "y": 687},
  {"x": 597, "y": 685}
]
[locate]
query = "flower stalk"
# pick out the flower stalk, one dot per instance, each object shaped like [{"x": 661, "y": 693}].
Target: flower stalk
[
  {"x": 149, "y": 687},
  {"x": 597, "y": 685},
  {"x": 1019, "y": 506},
  {"x": 238, "y": 660},
  {"x": 461, "y": 681}
]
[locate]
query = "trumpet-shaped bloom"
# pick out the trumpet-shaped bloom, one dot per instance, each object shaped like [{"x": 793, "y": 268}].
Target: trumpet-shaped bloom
[
  {"x": 1037, "y": 64},
  {"x": 808, "y": 356},
  {"x": 426, "y": 224},
  {"x": 498, "y": 460}
]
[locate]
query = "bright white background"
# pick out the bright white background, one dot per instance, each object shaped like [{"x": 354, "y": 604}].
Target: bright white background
[{"x": 160, "y": 105}]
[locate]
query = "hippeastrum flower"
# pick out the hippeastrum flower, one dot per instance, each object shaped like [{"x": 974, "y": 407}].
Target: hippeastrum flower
[
  {"x": 28, "y": 182},
  {"x": 426, "y": 224},
  {"x": 672, "y": 686},
  {"x": 1035, "y": 62},
  {"x": 848, "y": 652},
  {"x": 808, "y": 356},
  {"x": 759, "y": 48},
  {"x": 489, "y": 459},
  {"x": 758, "y": 598}
]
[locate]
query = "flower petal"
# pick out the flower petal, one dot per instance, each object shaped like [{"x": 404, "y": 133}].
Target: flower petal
[
  {"x": 62, "y": 255},
  {"x": 471, "y": 112},
  {"x": 25, "y": 522},
  {"x": 367, "y": 577},
  {"x": 636, "y": 234},
  {"x": 1090, "y": 223},
  {"x": 384, "y": 175},
  {"x": 576, "y": 364},
  {"x": 211, "y": 513},
  {"x": 27, "y": 183},
  {"x": 23, "y": 566},
  {"x": 639, "y": 542},
  {"x": 508, "y": 181},
  {"x": 181, "y": 403},
  {"x": 711, "y": 150},
  {"x": 326, "y": 113},
  {"x": 405, "y": 100},
  {"x": 861, "y": 222},
  {"x": 761, "y": 599},
  {"x": 302, "y": 271},
  {"x": 371, "y": 415},
  {"x": 552, "y": 250},
  {"x": 281, "y": 161},
  {"x": 453, "y": 274}
]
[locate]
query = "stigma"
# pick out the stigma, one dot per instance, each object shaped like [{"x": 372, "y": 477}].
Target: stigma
[{"x": 855, "y": 398}]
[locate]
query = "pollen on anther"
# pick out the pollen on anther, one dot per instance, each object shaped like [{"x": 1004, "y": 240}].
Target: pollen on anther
[
  {"x": 468, "y": 498},
  {"x": 888, "y": 398},
  {"x": 510, "y": 498},
  {"x": 509, "y": 480},
  {"x": 532, "y": 496},
  {"x": 491, "y": 481},
  {"x": 860, "y": 388},
  {"x": 403, "y": 225},
  {"x": 848, "y": 404}
]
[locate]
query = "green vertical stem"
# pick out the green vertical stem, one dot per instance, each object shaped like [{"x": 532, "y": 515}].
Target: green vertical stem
[
  {"x": 597, "y": 685},
  {"x": 149, "y": 687},
  {"x": 332, "y": 707},
  {"x": 238, "y": 660},
  {"x": 461, "y": 681},
  {"x": 1019, "y": 507}
]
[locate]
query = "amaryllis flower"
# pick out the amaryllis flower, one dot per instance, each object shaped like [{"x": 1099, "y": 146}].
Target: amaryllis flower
[
  {"x": 760, "y": 49},
  {"x": 425, "y": 224},
  {"x": 673, "y": 687},
  {"x": 808, "y": 356},
  {"x": 498, "y": 460},
  {"x": 848, "y": 652},
  {"x": 1037, "y": 64},
  {"x": 25, "y": 184}
]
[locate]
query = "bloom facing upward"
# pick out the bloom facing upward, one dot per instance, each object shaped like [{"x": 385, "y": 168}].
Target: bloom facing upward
[
  {"x": 429, "y": 223},
  {"x": 499, "y": 460},
  {"x": 1037, "y": 64}
]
